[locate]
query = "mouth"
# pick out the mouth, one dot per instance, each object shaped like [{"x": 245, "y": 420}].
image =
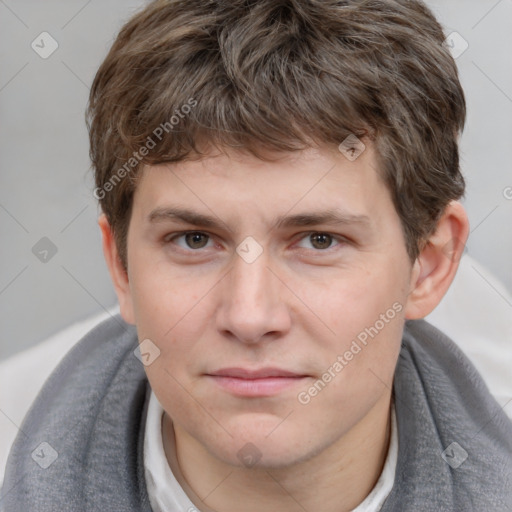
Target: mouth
[{"x": 255, "y": 383}]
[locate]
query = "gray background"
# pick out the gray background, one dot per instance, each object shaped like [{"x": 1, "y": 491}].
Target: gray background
[{"x": 46, "y": 185}]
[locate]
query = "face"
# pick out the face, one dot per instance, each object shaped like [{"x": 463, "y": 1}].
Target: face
[{"x": 275, "y": 293}]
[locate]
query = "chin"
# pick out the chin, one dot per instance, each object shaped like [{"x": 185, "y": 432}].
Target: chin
[{"x": 257, "y": 449}]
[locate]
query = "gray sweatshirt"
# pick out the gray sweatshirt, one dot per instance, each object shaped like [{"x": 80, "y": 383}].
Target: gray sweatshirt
[{"x": 80, "y": 445}]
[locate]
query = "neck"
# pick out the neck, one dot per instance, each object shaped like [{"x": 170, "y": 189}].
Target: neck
[{"x": 337, "y": 479}]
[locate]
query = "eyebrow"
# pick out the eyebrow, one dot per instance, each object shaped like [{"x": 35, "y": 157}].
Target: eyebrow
[{"x": 330, "y": 216}]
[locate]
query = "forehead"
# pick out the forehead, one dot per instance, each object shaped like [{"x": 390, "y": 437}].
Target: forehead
[{"x": 230, "y": 183}]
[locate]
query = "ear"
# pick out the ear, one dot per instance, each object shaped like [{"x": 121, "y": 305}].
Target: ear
[
  {"x": 434, "y": 269},
  {"x": 118, "y": 274}
]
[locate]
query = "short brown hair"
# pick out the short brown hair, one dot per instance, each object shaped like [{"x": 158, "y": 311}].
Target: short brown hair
[{"x": 281, "y": 75}]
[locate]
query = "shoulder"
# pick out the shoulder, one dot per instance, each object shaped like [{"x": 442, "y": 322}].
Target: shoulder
[
  {"x": 432, "y": 361},
  {"x": 455, "y": 441},
  {"x": 88, "y": 417},
  {"x": 428, "y": 348}
]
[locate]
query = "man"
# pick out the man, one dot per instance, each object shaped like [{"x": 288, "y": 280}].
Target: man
[{"x": 279, "y": 184}]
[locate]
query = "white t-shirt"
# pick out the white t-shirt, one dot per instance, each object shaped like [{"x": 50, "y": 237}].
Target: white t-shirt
[{"x": 166, "y": 494}]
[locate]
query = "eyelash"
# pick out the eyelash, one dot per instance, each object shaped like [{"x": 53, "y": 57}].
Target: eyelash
[{"x": 172, "y": 237}]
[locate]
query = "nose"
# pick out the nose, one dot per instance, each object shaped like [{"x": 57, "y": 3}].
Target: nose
[{"x": 251, "y": 306}]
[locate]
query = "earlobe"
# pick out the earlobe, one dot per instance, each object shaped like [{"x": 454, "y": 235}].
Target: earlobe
[
  {"x": 117, "y": 271},
  {"x": 437, "y": 264}
]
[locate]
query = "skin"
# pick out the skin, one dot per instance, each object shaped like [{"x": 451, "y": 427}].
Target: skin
[{"x": 298, "y": 306}]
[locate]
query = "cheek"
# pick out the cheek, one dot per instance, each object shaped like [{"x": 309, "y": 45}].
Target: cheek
[
  {"x": 358, "y": 368},
  {"x": 165, "y": 298},
  {"x": 365, "y": 315},
  {"x": 351, "y": 300},
  {"x": 173, "y": 310}
]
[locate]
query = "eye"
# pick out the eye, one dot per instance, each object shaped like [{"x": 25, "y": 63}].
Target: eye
[
  {"x": 192, "y": 239},
  {"x": 321, "y": 241}
]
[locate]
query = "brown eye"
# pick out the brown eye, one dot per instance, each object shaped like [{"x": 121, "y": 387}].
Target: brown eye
[
  {"x": 321, "y": 240},
  {"x": 188, "y": 240},
  {"x": 196, "y": 240}
]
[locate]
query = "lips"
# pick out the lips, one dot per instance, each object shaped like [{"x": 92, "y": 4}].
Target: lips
[
  {"x": 255, "y": 383},
  {"x": 263, "y": 373}
]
